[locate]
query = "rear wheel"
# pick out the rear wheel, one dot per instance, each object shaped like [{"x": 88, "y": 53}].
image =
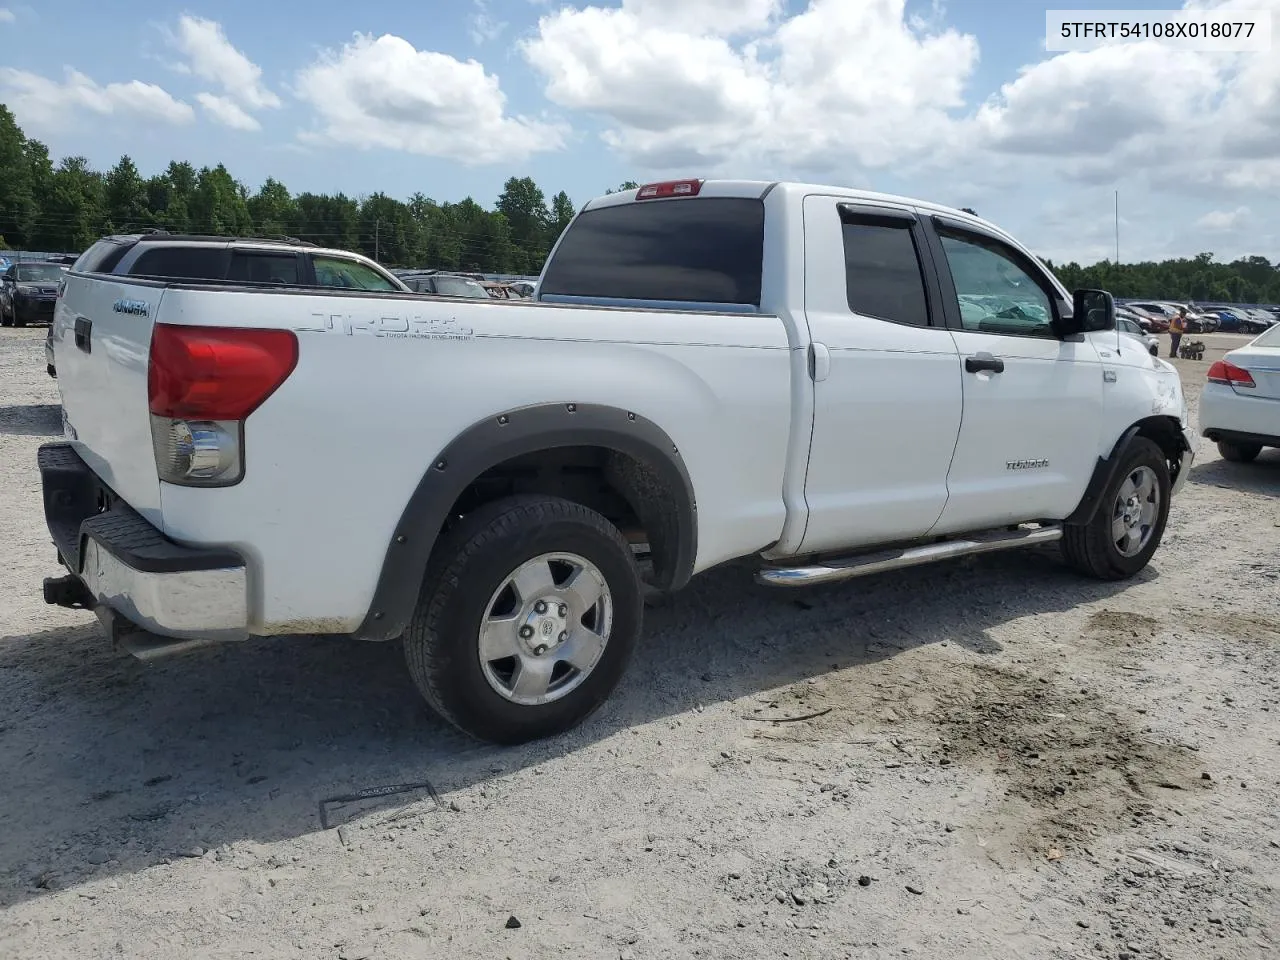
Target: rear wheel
[
  {"x": 1126, "y": 529},
  {"x": 527, "y": 621},
  {"x": 1239, "y": 452}
]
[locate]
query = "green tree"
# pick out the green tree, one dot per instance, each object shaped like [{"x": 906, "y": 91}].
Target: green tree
[
  {"x": 74, "y": 216},
  {"x": 17, "y": 194},
  {"x": 125, "y": 198},
  {"x": 219, "y": 205},
  {"x": 562, "y": 212},
  {"x": 272, "y": 208}
]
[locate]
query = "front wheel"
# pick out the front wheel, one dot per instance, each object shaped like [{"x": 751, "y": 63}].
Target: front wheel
[
  {"x": 527, "y": 619},
  {"x": 1126, "y": 529},
  {"x": 4, "y": 318},
  {"x": 1239, "y": 452}
]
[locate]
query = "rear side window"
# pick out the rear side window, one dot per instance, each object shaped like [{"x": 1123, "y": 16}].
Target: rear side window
[
  {"x": 182, "y": 263},
  {"x": 882, "y": 272},
  {"x": 703, "y": 250},
  {"x": 102, "y": 257},
  {"x": 252, "y": 266}
]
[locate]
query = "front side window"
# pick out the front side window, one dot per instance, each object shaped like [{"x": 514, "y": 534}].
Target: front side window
[
  {"x": 349, "y": 275},
  {"x": 883, "y": 275},
  {"x": 996, "y": 294}
]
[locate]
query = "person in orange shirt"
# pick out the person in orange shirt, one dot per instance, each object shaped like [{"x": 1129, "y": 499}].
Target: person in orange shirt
[{"x": 1177, "y": 327}]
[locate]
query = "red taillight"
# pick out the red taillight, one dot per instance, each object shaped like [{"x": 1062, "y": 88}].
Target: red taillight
[
  {"x": 216, "y": 373},
  {"x": 1228, "y": 374},
  {"x": 671, "y": 188}
]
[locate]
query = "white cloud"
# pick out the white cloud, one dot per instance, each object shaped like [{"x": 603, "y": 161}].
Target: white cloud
[
  {"x": 837, "y": 87},
  {"x": 42, "y": 103},
  {"x": 1224, "y": 221},
  {"x": 485, "y": 28},
  {"x": 7, "y": 15},
  {"x": 847, "y": 88},
  {"x": 210, "y": 56},
  {"x": 385, "y": 93},
  {"x": 227, "y": 112}
]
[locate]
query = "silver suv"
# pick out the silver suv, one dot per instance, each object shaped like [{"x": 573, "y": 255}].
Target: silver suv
[{"x": 285, "y": 261}]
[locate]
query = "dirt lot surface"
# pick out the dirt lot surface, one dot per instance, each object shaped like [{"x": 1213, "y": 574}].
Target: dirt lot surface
[{"x": 1000, "y": 760}]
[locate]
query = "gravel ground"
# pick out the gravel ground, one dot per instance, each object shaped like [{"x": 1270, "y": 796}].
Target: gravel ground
[{"x": 1002, "y": 761}]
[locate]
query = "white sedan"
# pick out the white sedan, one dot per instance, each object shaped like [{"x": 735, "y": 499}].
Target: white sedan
[{"x": 1240, "y": 405}]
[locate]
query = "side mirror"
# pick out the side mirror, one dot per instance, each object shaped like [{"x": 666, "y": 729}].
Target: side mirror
[{"x": 1089, "y": 312}]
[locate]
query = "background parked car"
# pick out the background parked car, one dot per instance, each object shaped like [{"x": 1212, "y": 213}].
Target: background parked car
[
  {"x": 444, "y": 285},
  {"x": 1131, "y": 327},
  {"x": 28, "y": 292}
]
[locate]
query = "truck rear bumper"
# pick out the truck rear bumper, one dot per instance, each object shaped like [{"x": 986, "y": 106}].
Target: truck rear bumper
[{"x": 130, "y": 567}]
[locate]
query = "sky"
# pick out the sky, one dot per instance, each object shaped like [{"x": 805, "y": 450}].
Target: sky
[{"x": 954, "y": 102}]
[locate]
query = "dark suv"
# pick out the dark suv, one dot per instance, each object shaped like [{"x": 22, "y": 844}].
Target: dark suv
[
  {"x": 287, "y": 262},
  {"x": 28, "y": 292}
]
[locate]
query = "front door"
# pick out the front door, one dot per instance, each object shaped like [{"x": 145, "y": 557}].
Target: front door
[{"x": 1032, "y": 401}]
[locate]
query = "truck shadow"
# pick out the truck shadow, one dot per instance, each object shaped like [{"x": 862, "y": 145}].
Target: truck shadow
[
  {"x": 32, "y": 420},
  {"x": 1262, "y": 476},
  {"x": 113, "y": 765}
]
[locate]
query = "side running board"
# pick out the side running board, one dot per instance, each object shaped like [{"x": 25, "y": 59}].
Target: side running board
[{"x": 846, "y": 568}]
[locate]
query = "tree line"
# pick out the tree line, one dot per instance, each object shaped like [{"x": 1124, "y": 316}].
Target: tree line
[{"x": 67, "y": 207}]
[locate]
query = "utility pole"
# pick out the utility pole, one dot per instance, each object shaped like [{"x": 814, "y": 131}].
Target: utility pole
[
  {"x": 377, "y": 249},
  {"x": 1117, "y": 228}
]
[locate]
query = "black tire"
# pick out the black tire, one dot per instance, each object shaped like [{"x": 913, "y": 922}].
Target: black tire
[
  {"x": 488, "y": 546},
  {"x": 4, "y": 318},
  {"x": 18, "y": 321},
  {"x": 1090, "y": 548},
  {"x": 1239, "y": 452}
]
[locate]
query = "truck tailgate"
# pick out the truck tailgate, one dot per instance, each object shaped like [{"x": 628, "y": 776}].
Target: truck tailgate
[{"x": 101, "y": 341}]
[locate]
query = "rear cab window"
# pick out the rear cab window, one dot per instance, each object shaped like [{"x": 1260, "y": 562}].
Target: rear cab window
[{"x": 705, "y": 251}]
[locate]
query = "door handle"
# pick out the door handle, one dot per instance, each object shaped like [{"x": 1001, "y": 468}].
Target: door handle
[
  {"x": 819, "y": 361},
  {"x": 84, "y": 334},
  {"x": 983, "y": 361}
]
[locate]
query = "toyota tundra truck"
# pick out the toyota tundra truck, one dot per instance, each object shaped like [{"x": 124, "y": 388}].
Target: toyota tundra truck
[{"x": 833, "y": 382}]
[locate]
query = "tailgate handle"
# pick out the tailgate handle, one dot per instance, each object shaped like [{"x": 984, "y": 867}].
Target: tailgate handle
[{"x": 84, "y": 334}]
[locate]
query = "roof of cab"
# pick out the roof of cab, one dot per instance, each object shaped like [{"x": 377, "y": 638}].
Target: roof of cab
[{"x": 761, "y": 188}]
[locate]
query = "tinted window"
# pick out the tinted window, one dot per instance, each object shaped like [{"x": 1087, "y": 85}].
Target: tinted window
[
  {"x": 181, "y": 263},
  {"x": 102, "y": 257},
  {"x": 996, "y": 294},
  {"x": 350, "y": 275},
  {"x": 705, "y": 250},
  {"x": 253, "y": 266},
  {"x": 882, "y": 273}
]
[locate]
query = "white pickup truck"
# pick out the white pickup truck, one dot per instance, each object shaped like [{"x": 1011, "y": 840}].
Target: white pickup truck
[{"x": 833, "y": 381}]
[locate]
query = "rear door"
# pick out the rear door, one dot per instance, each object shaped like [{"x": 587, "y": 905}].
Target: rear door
[{"x": 887, "y": 385}]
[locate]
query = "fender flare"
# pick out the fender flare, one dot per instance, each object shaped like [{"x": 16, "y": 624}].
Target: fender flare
[
  {"x": 499, "y": 438},
  {"x": 1104, "y": 472}
]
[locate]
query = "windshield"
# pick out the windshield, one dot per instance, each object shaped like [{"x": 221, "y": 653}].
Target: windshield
[
  {"x": 38, "y": 273},
  {"x": 458, "y": 287}
]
